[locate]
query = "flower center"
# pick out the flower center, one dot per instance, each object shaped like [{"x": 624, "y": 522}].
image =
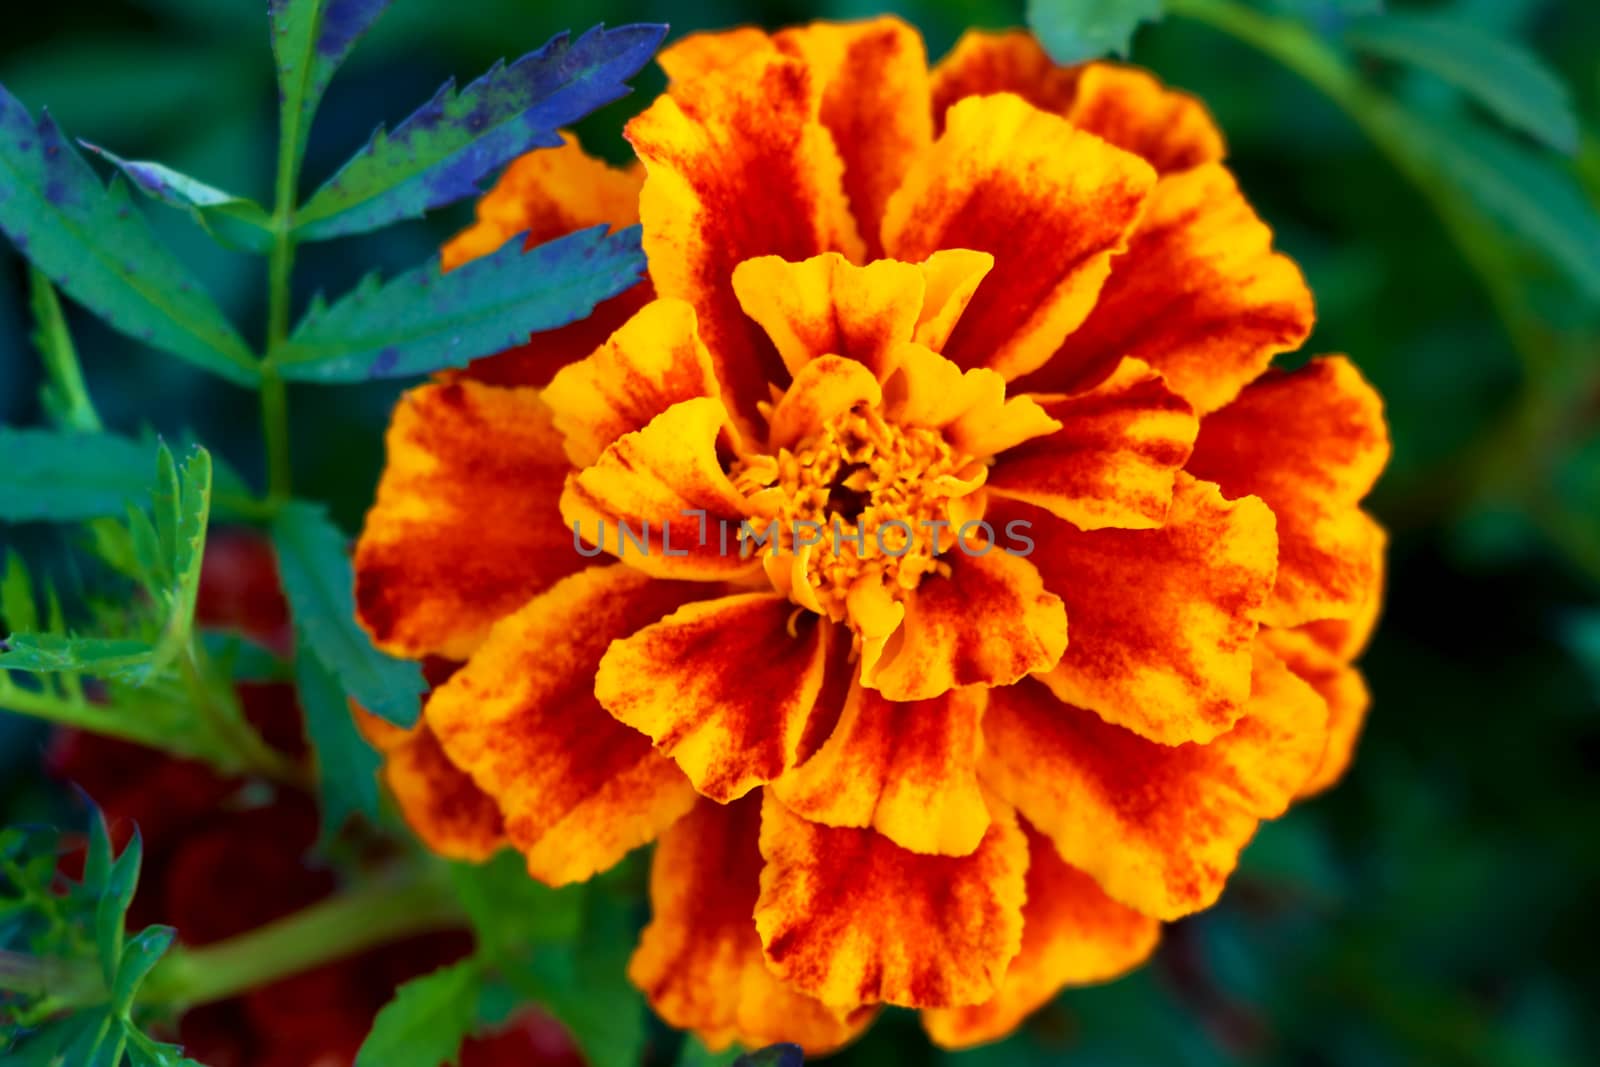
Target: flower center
[{"x": 861, "y": 502}]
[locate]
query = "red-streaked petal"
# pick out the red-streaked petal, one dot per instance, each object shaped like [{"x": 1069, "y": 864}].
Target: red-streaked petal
[
  {"x": 849, "y": 917},
  {"x": 1199, "y": 295},
  {"x": 1162, "y": 620},
  {"x": 826, "y": 305},
  {"x": 989, "y": 622},
  {"x": 1311, "y": 443},
  {"x": 1072, "y": 934},
  {"x": 1159, "y": 827},
  {"x": 738, "y": 166},
  {"x": 824, "y": 389},
  {"x": 666, "y": 485},
  {"x": 984, "y": 63},
  {"x": 908, "y": 770},
  {"x": 653, "y": 361},
  {"x": 1340, "y": 684},
  {"x": 465, "y": 528},
  {"x": 1114, "y": 459},
  {"x": 1170, "y": 130},
  {"x": 1051, "y": 204},
  {"x": 952, "y": 277},
  {"x": 577, "y": 788},
  {"x": 440, "y": 802},
  {"x": 725, "y": 687},
  {"x": 700, "y": 963},
  {"x": 874, "y": 80},
  {"x": 700, "y": 54}
]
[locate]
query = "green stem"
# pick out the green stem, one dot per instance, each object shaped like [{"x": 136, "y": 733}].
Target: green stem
[
  {"x": 365, "y": 917},
  {"x": 280, "y": 272},
  {"x": 60, "y": 356}
]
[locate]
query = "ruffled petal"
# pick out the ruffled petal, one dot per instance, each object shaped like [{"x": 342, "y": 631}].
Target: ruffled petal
[
  {"x": 652, "y": 362},
  {"x": 1159, "y": 827},
  {"x": 725, "y": 687},
  {"x": 464, "y": 529},
  {"x": 971, "y": 407},
  {"x": 700, "y": 963},
  {"x": 1340, "y": 685},
  {"x": 1162, "y": 620},
  {"x": 989, "y": 622},
  {"x": 738, "y": 166},
  {"x": 827, "y": 305},
  {"x": 1170, "y": 130},
  {"x": 984, "y": 63},
  {"x": 654, "y": 495},
  {"x": 1072, "y": 934},
  {"x": 578, "y": 789},
  {"x": 1199, "y": 295},
  {"x": 440, "y": 802},
  {"x": 700, "y": 54},
  {"x": 1051, "y": 204},
  {"x": 908, "y": 770},
  {"x": 823, "y": 389},
  {"x": 849, "y": 917},
  {"x": 952, "y": 276},
  {"x": 1113, "y": 461},
  {"x": 546, "y": 194},
  {"x": 874, "y": 80},
  {"x": 1311, "y": 444}
]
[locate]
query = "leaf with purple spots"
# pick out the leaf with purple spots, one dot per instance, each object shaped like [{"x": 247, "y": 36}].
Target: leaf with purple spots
[
  {"x": 447, "y": 147},
  {"x": 310, "y": 40},
  {"x": 234, "y": 221},
  {"x": 424, "y": 321},
  {"x": 96, "y": 246}
]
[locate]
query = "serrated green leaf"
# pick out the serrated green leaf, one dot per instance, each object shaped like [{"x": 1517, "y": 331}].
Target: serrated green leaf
[
  {"x": 234, "y": 221},
  {"x": 310, "y": 40},
  {"x": 1505, "y": 78},
  {"x": 50, "y": 653},
  {"x": 93, "y": 243},
  {"x": 509, "y": 910},
  {"x": 1537, "y": 202},
  {"x": 165, "y": 513},
  {"x": 1073, "y": 31},
  {"x": 19, "y": 611},
  {"x": 442, "y": 152},
  {"x": 320, "y": 586},
  {"x": 139, "y": 956},
  {"x": 424, "y": 321},
  {"x": 63, "y": 476},
  {"x": 347, "y": 767},
  {"x": 145, "y": 1052},
  {"x": 194, "y": 512},
  {"x": 64, "y": 397},
  {"x": 242, "y": 659},
  {"x": 112, "y": 912},
  {"x": 426, "y": 1022},
  {"x": 97, "y": 861}
]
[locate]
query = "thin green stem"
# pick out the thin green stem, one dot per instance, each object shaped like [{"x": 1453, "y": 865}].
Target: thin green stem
[
  {"x": 369, "y": 915},
  {"x": 280, "y": 272},
  {"x": 66, "y": 391}
]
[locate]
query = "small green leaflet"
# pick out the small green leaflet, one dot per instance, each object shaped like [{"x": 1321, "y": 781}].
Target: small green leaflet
[
  {"x": 347, "y": 767},
  {"x": 310, "y": 40},
  {"x": 444, "y": 150},
  {"x": 1073, "y": 31},
  {"x": 695, "y": 1054},
  {"x": 64, "y": 397},
  {"x": 234, "y": 221},
  {"x": 93, "y": 243},
  {"x": 320, "y": 585},
  {"x": 140, "y": 954},
  {"x": 424, "y": 321},
  {"x": 425, "y": 1023},
  {"x": 509, "y": 910},
  {"x": 1505, "y": 78},
  {"x": 67, "y": 476}
]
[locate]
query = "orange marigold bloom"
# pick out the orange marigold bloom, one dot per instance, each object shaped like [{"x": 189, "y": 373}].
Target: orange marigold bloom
[{"x": 954, "y": 775}]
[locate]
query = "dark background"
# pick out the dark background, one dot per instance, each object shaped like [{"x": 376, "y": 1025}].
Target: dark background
[{"x": 1441, "y": 905}]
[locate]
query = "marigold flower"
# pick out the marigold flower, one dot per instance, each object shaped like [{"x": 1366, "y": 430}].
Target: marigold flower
[{"x": 949, "y": 776}]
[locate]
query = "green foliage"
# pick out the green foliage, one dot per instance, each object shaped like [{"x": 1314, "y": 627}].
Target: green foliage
[
  {"x": 441, "y": 153},
  {"x": 347, "y": 767},
  {"x": 310, "y": 39},
  {"x": 510, "y": 910},
  {"x": 233, "y": 221},
  {"x": 1076, "y": 30},
  {"x": 425, "y": 1023},
  {"x": 773, "y": 1056},
  {"x": 95, "y": 245},
  {"x": 64, "y": 397},
  {"x": 421, "y": 322},
  {"x": 72, "y": 971},
  {"x": 320, "y": 585},
  {"x": 1504, "y": 77},
  {"x": 63, "y": 476}
]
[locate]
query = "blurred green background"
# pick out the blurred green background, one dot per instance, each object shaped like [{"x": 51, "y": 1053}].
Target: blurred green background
[{"x": 1443, "y": 904}]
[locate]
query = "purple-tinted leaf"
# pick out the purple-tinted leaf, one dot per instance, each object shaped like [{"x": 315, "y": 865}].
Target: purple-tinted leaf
[
  {"x": 232, "y": 220},
  {"x": 96, "y": 246},
  {"x": 310, "y": 40},
  {"x": 445, "y": 149},
  {"x": 424, "y": 321}
]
